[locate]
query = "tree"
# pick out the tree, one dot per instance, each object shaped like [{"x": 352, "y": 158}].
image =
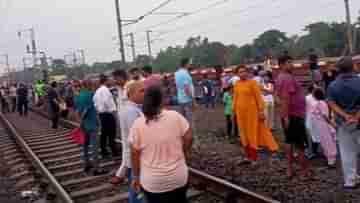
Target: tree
[{"x": 270, "y": 42}]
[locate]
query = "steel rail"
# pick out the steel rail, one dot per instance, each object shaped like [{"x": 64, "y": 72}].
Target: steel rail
[
  {"x": 64, "y": 196},
  {"x": 212, "y": 184}
]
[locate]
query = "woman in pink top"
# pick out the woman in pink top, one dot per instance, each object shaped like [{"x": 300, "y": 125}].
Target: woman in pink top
[{"x": 160, "y": 141}]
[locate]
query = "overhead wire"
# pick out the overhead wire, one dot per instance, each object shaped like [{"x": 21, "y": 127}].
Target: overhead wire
[
  {"x": 161, "y": 5},
  {"x": 274, "y": 17},
  {"x": 215, "y": 4},
  {"x": 244, "y": 10}
]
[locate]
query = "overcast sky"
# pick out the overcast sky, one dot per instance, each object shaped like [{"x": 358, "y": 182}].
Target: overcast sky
[{"x": 63, "y": 26}]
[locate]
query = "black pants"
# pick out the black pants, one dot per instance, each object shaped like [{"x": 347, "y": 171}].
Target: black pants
[
  {"x": 230, "y": 125},
  {"x": 108, "y": 133},
  {"x": 23, "y": 107},
  {"x": 4, "y": 106},
  {"x": 13, "y": 104},
  {"x": 175, "y": 196},
  {"x": 55, "y": 120}
]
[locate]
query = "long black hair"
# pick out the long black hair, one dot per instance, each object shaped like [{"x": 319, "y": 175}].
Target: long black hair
[{"x": 152, "y": 103}]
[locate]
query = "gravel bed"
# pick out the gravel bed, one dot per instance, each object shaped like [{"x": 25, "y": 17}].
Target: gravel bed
[{"x": 222, "y": 157}]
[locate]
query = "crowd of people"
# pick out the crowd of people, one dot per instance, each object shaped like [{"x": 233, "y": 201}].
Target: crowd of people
[
  {"x": 134, "y": 108},
  {"x": 15, "y": 98}
]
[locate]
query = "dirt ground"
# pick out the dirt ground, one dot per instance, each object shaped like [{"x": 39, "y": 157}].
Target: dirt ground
[{"x": 222, "y": 156}]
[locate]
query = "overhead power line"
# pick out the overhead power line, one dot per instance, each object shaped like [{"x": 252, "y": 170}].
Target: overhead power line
[
  {"x": 152, "y": 11},
  {"x": 185, "y": 14},
  {"x": 234, "y": 12},
  {"x": 252, "y": 21}
]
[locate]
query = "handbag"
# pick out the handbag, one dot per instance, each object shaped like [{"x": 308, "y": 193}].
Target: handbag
[{"x": 78, "y": 136}]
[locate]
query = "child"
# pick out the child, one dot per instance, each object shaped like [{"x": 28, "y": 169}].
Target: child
[
  {"x": 228, "y": 100},
  {"x": 268, "y": 90},
  {"x": 322, "y": 126},
  {"x": 313, "y": 138}
]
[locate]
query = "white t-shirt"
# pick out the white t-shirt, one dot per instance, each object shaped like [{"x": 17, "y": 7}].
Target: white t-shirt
[
  {"x": 268, "y": 98},
  {"x": 234, "y": 79}
]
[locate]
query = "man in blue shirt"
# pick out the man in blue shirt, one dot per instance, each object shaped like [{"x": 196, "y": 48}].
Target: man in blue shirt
[
  {"x": 185, "y": 92},
  {"x": 344, "y": 100}
]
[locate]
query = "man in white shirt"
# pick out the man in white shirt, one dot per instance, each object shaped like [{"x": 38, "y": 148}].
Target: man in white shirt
[
  {"x": 13, "y": 95},
  {"x": 106, "y": 108},
  {"x": 121, "y": 78}
]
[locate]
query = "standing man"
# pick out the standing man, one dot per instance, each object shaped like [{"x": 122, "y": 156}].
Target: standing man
[
  {"x": 13, "y": 95},
  {"x": 344, "y": 100},
  {"x": 151, "y": 79},
  {"x": 54, "y": 105},
  {"x": 209, "y": 92},
  {"x": 128, "y": 115},
  {"x": 39, "y": 92},
  {"x": 106, "y": 108},
  {"x": 314, "y": 67},
  {"x": 185, "y": 93},
  {"x": 121, "y": 78},
  {"x": 291, "y": 100},
  {"x": 22, "y": 98}
]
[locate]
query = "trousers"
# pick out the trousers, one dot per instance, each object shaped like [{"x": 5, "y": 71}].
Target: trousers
[
  {"x": 175, "y": 196},
  {"x": 133, "y": 196},
  {"x": 22, "y": 107},
  {"x": 90, "y": 149},
  {"x": 349, "y": 143},
  {"x": 186, "y": 110},
  {"x": 108, "y": 133}
]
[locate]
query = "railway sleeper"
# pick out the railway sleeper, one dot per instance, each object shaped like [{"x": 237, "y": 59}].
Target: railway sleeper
[
  {"x": 40, "y": 133},
  {"x": 62, "y": 160},
  {"x": 58, "y": 154},
  {"x": 54, "y": 149},
  {"x": 97, "y": 192},
  {"x": 50, "y": 141},
  {"x": 57, "y": 144},
  {"x": 46, "y": 138}
]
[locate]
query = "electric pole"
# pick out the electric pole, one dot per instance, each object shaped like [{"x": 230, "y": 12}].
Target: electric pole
[
  {"x": 7, "y": 65},
  {"x": 149, "y": 43},
  {"x": 133, "y": 46},
  {"x": 74, "y": 59},
  {"x": 349, "y": 28},
  {"x": 24, "y": 72},
  {"x": 119, "y": 22},
  {"x": 33, "y": 43},
  {"x": 82, "y": 52}
]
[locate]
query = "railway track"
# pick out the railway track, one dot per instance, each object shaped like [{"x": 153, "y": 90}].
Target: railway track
[{"x": 57, "y": 158}]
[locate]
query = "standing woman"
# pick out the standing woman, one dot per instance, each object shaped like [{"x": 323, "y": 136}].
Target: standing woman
[
  {"x": 160, "y": 141},
  {"x": 322, "y": 126},
  {"x": 87, "y": 116},
  {"x": 248, "y": 106}
]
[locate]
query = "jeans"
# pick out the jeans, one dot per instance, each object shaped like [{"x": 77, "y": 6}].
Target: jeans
[
  {"x": 175, "y": 196},
  {"x": 90, "y": 149},
  {"x": 349, "y": 143},
  {"x": 22, "y": 107},
  {"x": 132, "y": 194},
  {"x": 108, "y": 133},
  {"x": 209, "y": 101},
  {"x": 186, "y": 110}
]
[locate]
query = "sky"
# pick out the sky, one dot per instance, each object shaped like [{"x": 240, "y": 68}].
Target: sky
[{"x": 64, "y": 26}]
